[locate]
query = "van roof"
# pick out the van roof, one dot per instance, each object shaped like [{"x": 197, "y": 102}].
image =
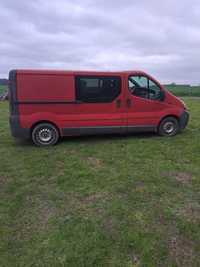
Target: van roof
[{"x": 77, "y": 72}]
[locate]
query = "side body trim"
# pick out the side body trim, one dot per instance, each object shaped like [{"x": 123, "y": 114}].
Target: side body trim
[
  {"x": 74, "y": 131},
  {"x": 38, "y": 102}
]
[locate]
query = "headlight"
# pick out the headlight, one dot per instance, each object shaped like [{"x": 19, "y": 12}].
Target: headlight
[{"x": 184, "y": 105}]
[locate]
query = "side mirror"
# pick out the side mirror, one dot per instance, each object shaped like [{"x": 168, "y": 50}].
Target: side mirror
[{"x": 162, "y": 95}]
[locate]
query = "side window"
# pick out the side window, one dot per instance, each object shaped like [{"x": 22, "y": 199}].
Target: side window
[
  {"x": 154, "y": 91},
  {"x": 141, "y": 86},
  {"x": 97, "y": 89},
  {"x": 138, "y": 86}
]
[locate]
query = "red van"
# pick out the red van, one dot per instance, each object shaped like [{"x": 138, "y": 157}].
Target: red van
[{"x": 46, "y": 105}]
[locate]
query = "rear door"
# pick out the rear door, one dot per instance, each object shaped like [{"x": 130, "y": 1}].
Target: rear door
[
  {"x": 143, "y": 102},
  {"x": 98, "y": 107}
]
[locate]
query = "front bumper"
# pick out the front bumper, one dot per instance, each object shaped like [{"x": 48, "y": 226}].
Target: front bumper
[{"x": 184, "y": 119}]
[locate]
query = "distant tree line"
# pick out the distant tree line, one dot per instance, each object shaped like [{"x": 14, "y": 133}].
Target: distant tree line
[{"x": 177, "y": 85}]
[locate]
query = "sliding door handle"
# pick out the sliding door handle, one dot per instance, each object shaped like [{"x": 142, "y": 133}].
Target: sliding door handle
[
  {"x": 118, "y": 103},
  {"x": 128, "y": 102}
]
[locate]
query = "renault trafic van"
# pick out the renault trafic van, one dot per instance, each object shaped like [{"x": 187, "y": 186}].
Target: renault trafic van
[{"x": 46, "y": 105}]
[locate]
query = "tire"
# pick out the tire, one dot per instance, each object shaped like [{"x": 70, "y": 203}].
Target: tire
[
  {"x": 169, "y": 127},
  {"x": 45, "y": 134}
]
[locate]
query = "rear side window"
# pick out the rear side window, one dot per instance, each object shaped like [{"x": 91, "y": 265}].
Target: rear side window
[{"x": 97, "y": 89}]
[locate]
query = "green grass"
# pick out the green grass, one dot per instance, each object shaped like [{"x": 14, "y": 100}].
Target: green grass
[
  {"x": 179, "y": 90},
  {"x": 3, "y": 88},
  {"x": 101, "y": 201}
]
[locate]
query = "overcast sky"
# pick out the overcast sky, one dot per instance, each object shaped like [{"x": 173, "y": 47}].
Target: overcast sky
[{"x": 159, "y": 37}]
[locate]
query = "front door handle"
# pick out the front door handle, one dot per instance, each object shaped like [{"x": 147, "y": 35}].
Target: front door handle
[
  {"x": 128, "y": 102},
  {"x": 118, "y": 103}
]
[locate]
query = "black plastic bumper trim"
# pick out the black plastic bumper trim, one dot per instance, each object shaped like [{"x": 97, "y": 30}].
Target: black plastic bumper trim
[
  {"x": 16, "y": 129},
  {"x": 106, "y": 130},
  {"x": 184, "y": 119}
]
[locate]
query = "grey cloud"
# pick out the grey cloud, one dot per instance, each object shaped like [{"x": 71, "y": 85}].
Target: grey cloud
[{"x": 160, "y": 37}]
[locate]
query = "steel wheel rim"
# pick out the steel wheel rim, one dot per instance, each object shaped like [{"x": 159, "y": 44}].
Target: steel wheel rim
[
  {"x": 169, "y": 127},
  {"x": 45, "y": 135}
]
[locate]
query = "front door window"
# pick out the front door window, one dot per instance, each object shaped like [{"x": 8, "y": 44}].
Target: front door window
[{"x": 143, "y": 87}]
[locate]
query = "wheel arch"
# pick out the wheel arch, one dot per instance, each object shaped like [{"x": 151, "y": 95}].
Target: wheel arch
[
  {"x": 45, "y": 121},
  {"x": 166, "y": 116}
]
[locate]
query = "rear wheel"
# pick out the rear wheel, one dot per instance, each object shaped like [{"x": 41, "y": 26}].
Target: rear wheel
[
  {"x": 45, "y": 134},
  {"x": 169, "y": 127}
]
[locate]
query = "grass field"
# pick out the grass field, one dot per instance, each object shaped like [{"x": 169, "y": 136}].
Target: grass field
[
  {"x": 3, "y": 88},
  {"x": 101, "y": 201},
  {"x": 179, "y": 90}
]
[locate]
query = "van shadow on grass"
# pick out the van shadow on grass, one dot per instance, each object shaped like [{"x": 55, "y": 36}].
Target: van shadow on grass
[
  {"x": 92, "y": 138},
  {"x": 105, "y": 138}
]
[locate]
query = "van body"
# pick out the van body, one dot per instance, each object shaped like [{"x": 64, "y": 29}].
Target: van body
[{"x": 46, "y": 105}]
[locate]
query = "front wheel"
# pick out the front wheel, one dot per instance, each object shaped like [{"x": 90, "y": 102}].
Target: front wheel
[
  {"x": 45, "y": 134},
  {"x": 169, "y": 127}
]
